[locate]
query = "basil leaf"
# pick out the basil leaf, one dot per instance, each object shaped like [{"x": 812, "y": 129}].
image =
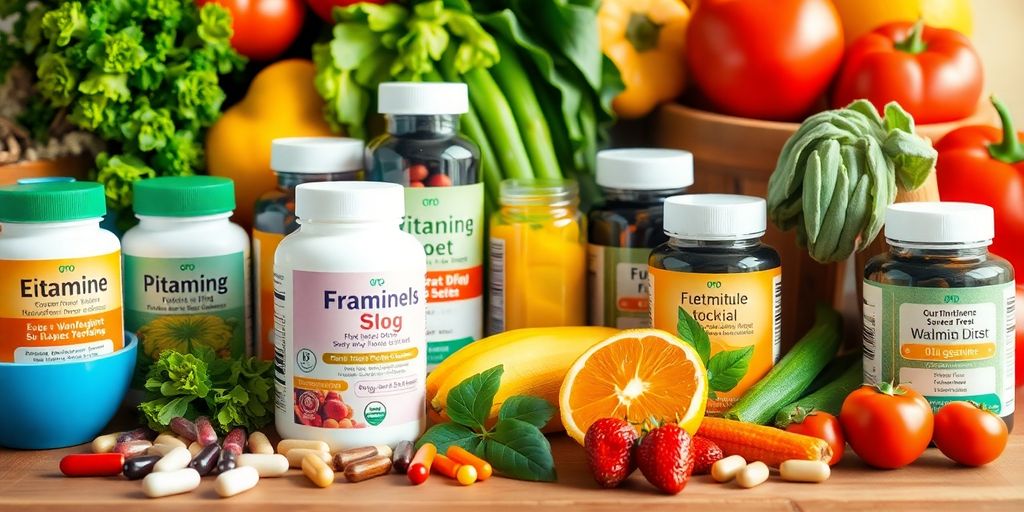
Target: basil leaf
[
  {"x": 449, "y": 434},
  {"x": 532, "y": 410},
  {"x": 728, "y": 368},
  {"x": 691, "y": 332},
  {"x": 469, "y": 402},
  {"x": 519, "y": 450}
]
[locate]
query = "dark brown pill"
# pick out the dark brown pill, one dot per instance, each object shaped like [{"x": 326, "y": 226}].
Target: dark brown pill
[
  {"x": 139, "y": 467},
  {"x": 206, "y": 459},
  {"x": 402, "y": 456},
  {"x": 365, "y": 469},
  {"x": 228, "y": 461}
]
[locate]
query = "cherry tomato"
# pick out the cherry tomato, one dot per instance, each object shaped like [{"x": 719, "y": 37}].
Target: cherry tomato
[
  {"x": 824, "y": 426},
  {"x": 887, "y": 426},
  {"x": 263, "y": 28},
  {"x": 323, "y": 8},
  {"x": 968, "y": 434}
]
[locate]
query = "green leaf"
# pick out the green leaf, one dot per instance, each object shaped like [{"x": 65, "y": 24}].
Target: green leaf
[
  {"x": 727, "y": 368},
  {"x": 533, "y": 410},
  {"x": 519, "y": 450},
  {"x": 912, "y": 156},
  {"x": 690, "y": 331},
  {"x": 469, "y": 402},
  {"x": 898, "y": 119},
  {"x": 352, "y": 44},
  {"x": 450, "y": 434}
]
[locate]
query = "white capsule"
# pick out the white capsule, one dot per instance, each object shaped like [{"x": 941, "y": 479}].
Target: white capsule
[
  {"x": 725, "y": 469},
  {"x": 812, "y": 471},
  {"x": 160, "y": 449},
  {"x": 287, "y": 445},
  {"x": 295, "y": 456},
  {"x": 268, "y": 465},
  {"x": 236, "y": 481},
  {"x": 169, "y": 483},
  {"x": 755, "y": 474},
  {"x": 194, "y": 448},
  {"x": 258, "y": 443},
  {"x": 169, "y": 440},
  {"x": 105, "y": 443},
  {"x": 175, "y": 459}
]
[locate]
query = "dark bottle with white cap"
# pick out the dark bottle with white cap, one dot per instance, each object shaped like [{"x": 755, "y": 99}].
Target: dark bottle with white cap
[
  {"x": 939, "y": 312},
  {"x": 622, "y": 230}
]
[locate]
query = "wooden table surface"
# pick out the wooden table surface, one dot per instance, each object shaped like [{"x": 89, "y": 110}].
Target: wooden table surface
[{"x": 30, "y": 481}]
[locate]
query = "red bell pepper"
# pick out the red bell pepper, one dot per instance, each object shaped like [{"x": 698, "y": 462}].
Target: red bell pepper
[{"x": 933, "y": 73}]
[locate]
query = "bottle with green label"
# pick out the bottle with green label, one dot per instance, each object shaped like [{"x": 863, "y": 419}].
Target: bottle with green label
[
  {"x": 623, "y": 230},
  {"x": 939, "y": 308},
  {"x": 444, "y": 202},
  {"x": 186, "y": 270}
]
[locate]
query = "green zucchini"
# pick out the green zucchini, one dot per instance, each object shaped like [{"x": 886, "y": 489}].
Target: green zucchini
[
  {"x": 793, "y": 374},
  {"x": 835, "y": 369},
  {"x": 827, "y": 399}
]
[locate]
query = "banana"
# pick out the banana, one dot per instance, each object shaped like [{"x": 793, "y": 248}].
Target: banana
[{"x": 535, "y": 361}]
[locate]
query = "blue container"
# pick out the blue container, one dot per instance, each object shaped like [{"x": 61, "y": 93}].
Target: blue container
[{"x": 63, "y": 404}]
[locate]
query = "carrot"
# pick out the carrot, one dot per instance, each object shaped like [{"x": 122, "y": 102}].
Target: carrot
[{"x": 766, "y": 444}]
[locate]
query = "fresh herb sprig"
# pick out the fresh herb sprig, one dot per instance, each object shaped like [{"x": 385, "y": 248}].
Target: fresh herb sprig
[
  {"x": 514, "y": 446},
  {"x": 725, "y": 369}
]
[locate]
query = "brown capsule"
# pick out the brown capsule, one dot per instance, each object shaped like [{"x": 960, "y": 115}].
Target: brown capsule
[
  {"x": 364, "y": 469},
  {"x": 402, "y": 456},
  {"x": 206, "y": 459},
  {"x": 345, "y": 457}
]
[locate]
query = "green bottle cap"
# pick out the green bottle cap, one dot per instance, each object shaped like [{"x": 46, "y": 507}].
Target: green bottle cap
[
  {"x": 52, "y": 202},
  {"x": 184, "y": 196}
]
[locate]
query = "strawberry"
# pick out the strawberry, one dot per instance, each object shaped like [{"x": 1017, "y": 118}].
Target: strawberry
[
  {"x": 665, "y": 457},
  {"x": 705, "y": 454},
  {"x": 610, "y": 443}
]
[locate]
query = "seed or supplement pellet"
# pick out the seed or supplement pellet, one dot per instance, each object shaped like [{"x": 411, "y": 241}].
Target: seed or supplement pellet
[
  {"x": 812, "y": 471},
  {"x": 287, "y": 445},
  {"x": 466, "y": 475},
  {"x": 268, "y": 465},
  {"x": 194, "y": 448},
  {"x": 402, "y": 456},
  {"x": 235, "y": 441},
  {"x": 419, "y": 468},
  {"x": 228, "y": 461},
  {"x": 365, "y": 469},
  {"x": 463, "y": 456},
  {"x": 105, "y": 443},
  {"x": 176, "y": 459},
  {"x": 755, "y": 474},
  {"x": 169, "y": 440},
  {"x": 445, "y": 466},
  {"x": 132, "y": 448},
  {"x": 205, "y": 460},
  {"x": 726, "y": 469},
  {"x": 139, "y": 467},
  {"x": 236, "y": 481},
  {"x": 169, "y": 483},
  {"x": 160, "y": 449},
  {"x": 345, "y": 457},
  {"x": 92, "y": 464},
  {"x": 316, "y": 469},
  {"x": 205, "y": 432},
  {"x": 258, "y": 443},
  {"x": 295, "y": 456},
  {"x": 139, "y": 434},
  {"x": 438, "y": 180},
  {"x": 184, "y": 428},
  {"x": 418, "y": 172}
]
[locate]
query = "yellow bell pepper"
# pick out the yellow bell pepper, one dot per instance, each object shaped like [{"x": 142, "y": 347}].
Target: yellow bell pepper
[
  {"x": 281, "y": 102},
  {"x": 862, "y": 16},
  {"x": 645, "y": 39}
]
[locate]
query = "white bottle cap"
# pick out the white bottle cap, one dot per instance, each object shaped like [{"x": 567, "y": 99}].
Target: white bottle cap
[
  {"x": 715, "y": 216},
  {"x": 644, "y": 169},
  {"x": 349, "y": 201},
  {"x": 927, "y": 223},
  {"x": 319, "y": 155},
  {"x": 422, "y": 98}
]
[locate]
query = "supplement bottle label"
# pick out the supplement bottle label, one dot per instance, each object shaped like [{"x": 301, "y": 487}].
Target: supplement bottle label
[
  {"x": 741, "y": 313},
  {"x": 357, "y": 342},
  {"x": 448, "y": 221},
  {"x": 264, "y": 245},
  {"x": 66, "y": 309},
  {"x": 179, "y": 303},
  {"x": 946, "y": 343},
  {"x": 619, "y": 295}
]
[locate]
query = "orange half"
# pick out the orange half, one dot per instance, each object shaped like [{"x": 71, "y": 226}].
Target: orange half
[{"x": 636, "y": 375}]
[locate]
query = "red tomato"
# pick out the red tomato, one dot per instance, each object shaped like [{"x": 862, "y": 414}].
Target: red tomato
[
  {"x": 888, "y": 427},
  {"x": 263, "y": 28},
  {"x": 1020, "y": 335},
  {"x": 323, "y": 8},
  {"x": 969, "y": 435},
  {"x": 766, "y": 60},
  {"x": 824, "y": 426}
]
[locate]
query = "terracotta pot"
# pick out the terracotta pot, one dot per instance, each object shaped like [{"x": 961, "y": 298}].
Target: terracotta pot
[{"x": 75, "y": 167}]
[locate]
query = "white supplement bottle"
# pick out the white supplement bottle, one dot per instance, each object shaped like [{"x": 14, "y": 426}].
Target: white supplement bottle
[
  {"x": 186, "y": 268},
  {"x": 350, "y": 318},
  {"x": 60, "y": 274}
]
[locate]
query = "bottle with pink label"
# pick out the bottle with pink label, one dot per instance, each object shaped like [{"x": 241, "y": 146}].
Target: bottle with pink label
[{"x": 349, "y": 304}]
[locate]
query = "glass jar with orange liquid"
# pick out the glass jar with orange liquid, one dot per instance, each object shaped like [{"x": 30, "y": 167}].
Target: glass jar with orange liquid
[{"x": 538, "y": 256}]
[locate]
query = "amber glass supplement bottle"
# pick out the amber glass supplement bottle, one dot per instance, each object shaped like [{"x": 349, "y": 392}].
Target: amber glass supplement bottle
[
  {"x": 939, "y": 308},
  {"x": 444, "y": 203},
  {"x": 538, "y": 257},
  {"x": 623, "y": 230},
  {"x": 60, "y": 274},
  {"x": 715, "y": 268},
  {"x": 294, "y": 160}
]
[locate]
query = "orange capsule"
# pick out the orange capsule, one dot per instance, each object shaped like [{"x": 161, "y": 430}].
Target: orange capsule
[
  {"x": 463, "y": 456},
  {"x": 419, "y": 468},
  {"x": 446, "y": 467}
]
